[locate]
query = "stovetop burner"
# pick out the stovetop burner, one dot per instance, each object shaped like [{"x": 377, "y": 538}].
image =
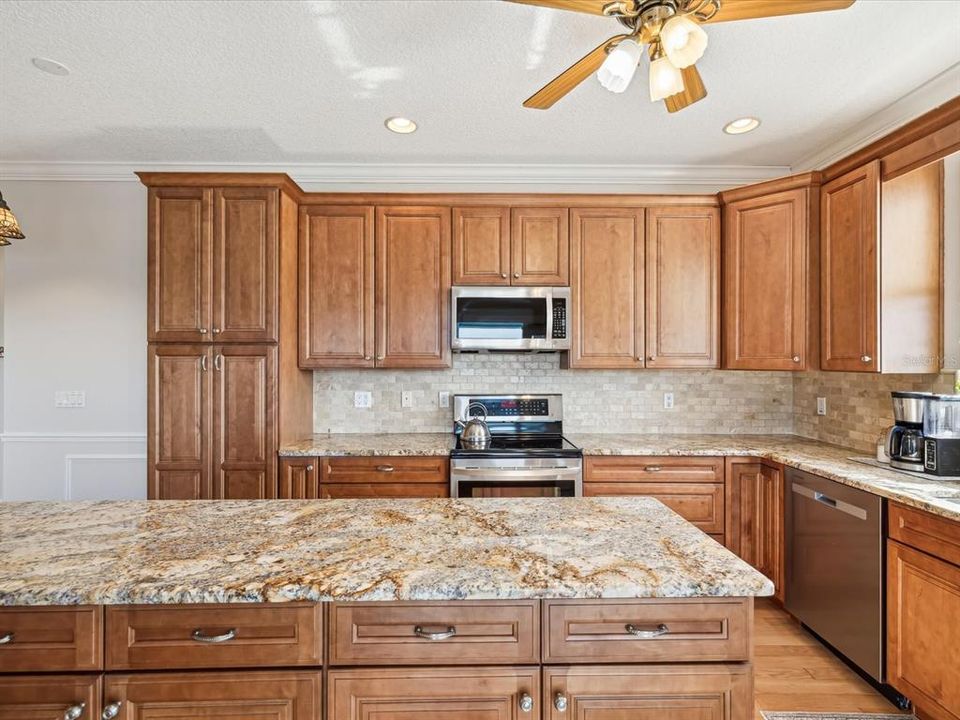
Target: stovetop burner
[{"x": 537, "y": 444}]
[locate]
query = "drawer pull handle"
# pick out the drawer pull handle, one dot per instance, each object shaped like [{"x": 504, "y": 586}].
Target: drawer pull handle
[
  {"x": 442, "y": 635},
  {"x": 560, "y": 702},
  {"x": 111, "y": 711},
  {"x": 653, "y": 468},
  {"x": 74, "y": 712},
  {"x": 661, "y": 629},
  {"x": 526, "y": 702},
  {"x": 384, "y": 468},
  {"x": 200, "y": 636},
  {"x": 6, "y": 638}
]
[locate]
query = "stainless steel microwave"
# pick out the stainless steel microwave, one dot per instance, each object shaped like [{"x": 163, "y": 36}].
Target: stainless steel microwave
[{"x": 533, "y": 319}]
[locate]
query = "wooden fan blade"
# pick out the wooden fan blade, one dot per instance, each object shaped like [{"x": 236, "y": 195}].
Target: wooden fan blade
[
  {"x": 594, "y": 7},
  {"x": 571, "y": 77},
  {"x": 749, "y": 9},
  {"x": 693, "y": 90}
]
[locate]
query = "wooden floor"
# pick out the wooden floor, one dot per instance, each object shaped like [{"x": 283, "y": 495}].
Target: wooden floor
[{"x": 793, "y": 671}]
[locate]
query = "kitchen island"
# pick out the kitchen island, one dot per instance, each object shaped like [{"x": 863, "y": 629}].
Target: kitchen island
[{"x": 434, "y": 608}]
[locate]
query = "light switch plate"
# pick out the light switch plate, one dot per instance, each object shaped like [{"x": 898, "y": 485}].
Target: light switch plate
[
  {"x": 406, "y": 398},
  {"x": 363, "y": 399},
  {"x": 821, "y": 406},
  {"x": 70, "y": 399},
  {"x": 443, "y": 399},
  {"x": 668, "y": 401}
]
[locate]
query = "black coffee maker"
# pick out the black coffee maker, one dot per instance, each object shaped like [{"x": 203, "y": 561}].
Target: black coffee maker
[
  {"x": 905, "y": 439},
  {"x": 941, "y": 435}
]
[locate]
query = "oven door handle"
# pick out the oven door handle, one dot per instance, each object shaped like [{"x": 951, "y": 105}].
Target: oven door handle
[{"x": 559, "y": 472}]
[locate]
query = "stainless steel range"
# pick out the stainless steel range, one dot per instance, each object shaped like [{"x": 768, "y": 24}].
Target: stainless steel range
[{"x": 527, "y": 454}]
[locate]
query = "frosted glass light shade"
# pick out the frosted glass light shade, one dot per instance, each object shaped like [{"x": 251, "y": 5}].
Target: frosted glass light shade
[
  {"x": 665, "y": 79},
  {"x": 620, "y": 66},
  {"x": 683, "y": 40}
]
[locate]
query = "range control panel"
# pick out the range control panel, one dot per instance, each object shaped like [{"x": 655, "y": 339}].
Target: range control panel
[{"x": 509, "y": 408}]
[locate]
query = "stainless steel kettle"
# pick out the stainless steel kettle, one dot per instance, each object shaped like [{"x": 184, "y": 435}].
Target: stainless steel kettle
[{"x": 474, "y": 433}]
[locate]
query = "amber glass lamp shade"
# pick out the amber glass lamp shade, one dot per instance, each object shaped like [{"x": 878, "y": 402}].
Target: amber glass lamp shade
[{"x": 9, "y": 228}]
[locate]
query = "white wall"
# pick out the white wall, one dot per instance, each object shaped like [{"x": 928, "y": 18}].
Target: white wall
[{"x": 74, "y": 318}]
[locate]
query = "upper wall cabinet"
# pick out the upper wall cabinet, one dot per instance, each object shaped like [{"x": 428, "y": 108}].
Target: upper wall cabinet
[
  {"x": 481, "y": 246},
  {"x": 212, "y": 264},
  {"x": 770, "y": 275},
  {"x": 541, "y": 247},
  {"x": 880, "y": 271},
  {"x": 683, "y": 287}
]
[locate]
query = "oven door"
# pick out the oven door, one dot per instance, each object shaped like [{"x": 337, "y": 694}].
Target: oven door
[
  {"x": 520, "y": 477},
  {"x": 497, "y": 318}
]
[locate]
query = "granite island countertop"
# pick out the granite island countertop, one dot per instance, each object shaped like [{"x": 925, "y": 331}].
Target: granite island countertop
[{"x": 126, "y": 552}]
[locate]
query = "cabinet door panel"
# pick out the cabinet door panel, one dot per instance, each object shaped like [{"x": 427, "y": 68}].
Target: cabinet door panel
[
  {"x": 245, "y": 253},
  {"x": 52, "y": 638},
  {"x": 279, "y": 695},
  {"x": 179, "y": 422},
  {"x": 355, "y": 490},
  {"x": 245, "y": 437},
  {"x": 48, "y": 697},
  {"x": 606, "y": 260},
  {"x": 540, "y": 246},
  {"x": 413, "y": 287},
  {"x": 481, "y": 246},
  {"x": 179, "y": 263},
  {"x": 766, "y": 276},
  {"x": 336, "y": 286},
  {"x": 432, "y": 693},
  {"x": 298, "y": 478},
  {"x": 683, "y": 293},
  {"x": 759, "y": 496},
  {"x": 849, "y": 269},
  {"x": 698, "y": 503}
]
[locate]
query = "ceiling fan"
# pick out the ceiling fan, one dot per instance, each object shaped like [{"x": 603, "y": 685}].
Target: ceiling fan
[{"x": 675, "y": 41}]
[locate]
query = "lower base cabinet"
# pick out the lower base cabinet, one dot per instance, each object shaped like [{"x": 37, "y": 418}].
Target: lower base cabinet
[
  {"x": 50, "y": 697},
  {"x": 503, "y": 693},
  {"x": 638, "y": 692}
]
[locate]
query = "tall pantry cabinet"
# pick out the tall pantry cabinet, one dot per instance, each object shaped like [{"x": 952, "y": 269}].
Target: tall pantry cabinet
[{"x": 224, "y": 389}]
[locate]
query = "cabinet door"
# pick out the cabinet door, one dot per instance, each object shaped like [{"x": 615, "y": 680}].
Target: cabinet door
[
  {"x": 849, "y": 269},
  {"x": 336, "y": 286},
  {"x": 433, "y": 694},
  {"x": 481, "y": 246},
  {"x": 606, "y": 283},
  {"x": 413, "y": 287},
  {"x": 179, "y": 263},
  {"x": 245, "y": 429},
  {"x": 298, "y": 478},
  {"x": 245, "y": 256},
  {"x": 683, "y": 288},
  {"x": 650, "y": 692},
  {"x": 49, "y": 697},
  {"x": 699, "y": 503},
  {"x": 540, "y": 246},
  {"x": 280, "y": 695},
  {"x": 923, "y": 634},
  {"x": 179, "y": 422},
  {"x": 766, "y": 279},
  {"x": 760, "y": 496}
]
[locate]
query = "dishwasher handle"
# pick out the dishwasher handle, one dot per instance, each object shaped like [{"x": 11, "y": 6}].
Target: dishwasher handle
[{"x": 844, "y": 507}]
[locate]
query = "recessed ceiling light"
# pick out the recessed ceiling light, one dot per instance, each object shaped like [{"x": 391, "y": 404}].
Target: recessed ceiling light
[
  {"x": 50, "y": 66},
  {"x": 741, "y": 126},
  {"x": 400, "y": 125}
]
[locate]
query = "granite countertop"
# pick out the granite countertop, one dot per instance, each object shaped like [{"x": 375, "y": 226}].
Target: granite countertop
[
  {"x": 282, "y": 550},
  {"x": 367, "y": 444}
]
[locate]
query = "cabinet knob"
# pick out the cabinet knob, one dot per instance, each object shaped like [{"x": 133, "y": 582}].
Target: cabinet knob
[
  {"x": 203, "y": 331},
  {"x": 866, "y": 358},
  {"x": 6, "y": 638},
  {"x": 367, "y": 357},
  {"x": 796, "y": 358},
  {"x": 651, "y": 358},
  {"x": 309, "y": 468},
  {"x": 111, "y": 711},
  {"x": 379, "y": 357},
  {"x": 526, "y": 702},
  {"x": 74, "y": 711},
  {"x": 560, "y": 702},
  {"x": 216, "y": 331},
  {"x": 516, "y": 274},
  {"x": 503, "y": 275}
]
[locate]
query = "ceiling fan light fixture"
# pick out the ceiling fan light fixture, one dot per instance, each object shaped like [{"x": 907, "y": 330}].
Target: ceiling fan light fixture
[
  {"x": 620, "y": 66},
  {"x": 683, "y": 40},
  {"x": 665, "y": 78},
  {"x": 9, "y": 227}
]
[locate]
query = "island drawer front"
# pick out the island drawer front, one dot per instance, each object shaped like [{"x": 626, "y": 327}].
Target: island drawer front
[
  {"x": 649, "y": 692},
  {"x": 475, "y": 693},
  {"x": 51, "y": 639},
  {"x": 661, "y": 630},
  {"x": 699, "y": 503},
  {"x": 636, "y": 468},
  {"x": 45, "y": 697},
  {"x": 386, "y": 469},
  {"x": 157, "y": 637},
  {"x": 938, "y": 536},
  {"x": 491, "y": 632}
]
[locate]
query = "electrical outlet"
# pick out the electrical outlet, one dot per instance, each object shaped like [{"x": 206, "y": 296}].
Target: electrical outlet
[
  {"x": 363, "y": 399},
  {"x": 406, "y": 398},
  {"x": 821, "y": 406},
  {"x": 668, "y": 401},
  {"x": 443, "y": 399},
  {"x": 70, "y": 399}
]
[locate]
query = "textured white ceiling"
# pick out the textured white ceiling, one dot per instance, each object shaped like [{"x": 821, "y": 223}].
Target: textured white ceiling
[{"x": 311, "y": 82}]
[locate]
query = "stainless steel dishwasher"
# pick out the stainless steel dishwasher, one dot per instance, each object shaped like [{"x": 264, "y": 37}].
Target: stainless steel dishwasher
[{"x": 835, "y": 566}]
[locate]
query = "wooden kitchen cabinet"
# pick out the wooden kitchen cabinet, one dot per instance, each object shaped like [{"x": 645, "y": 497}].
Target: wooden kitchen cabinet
[
  {"x": 413, "y": 287},
  {"x": 380, "y": 477},
  {"x": 51, "y": 638},
  {"x": 336, "y": 270},
  {"x": 481, "y": 693},
  {"x": 682, "y": 287},
  {"x": 607, "y": 288},
  {"x": 481, "y": 246},
  {"x": 756, "y": 516},
  {"x": 540, "y": 253},
  {"x": 297, "y": 479},
  {"x": 50, "y": 697},
  {"x": 771, "y": 276}
]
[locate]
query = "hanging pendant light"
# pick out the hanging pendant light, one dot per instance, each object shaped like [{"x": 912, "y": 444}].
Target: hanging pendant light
[
  {"x": 9, "y": 228},
  {"x": 665, "y": 79}
]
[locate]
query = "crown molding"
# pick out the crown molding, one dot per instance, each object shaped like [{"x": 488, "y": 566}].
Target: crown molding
[
  {"x": 707, "y": 177},
  {"x": 933, "y": 93}
]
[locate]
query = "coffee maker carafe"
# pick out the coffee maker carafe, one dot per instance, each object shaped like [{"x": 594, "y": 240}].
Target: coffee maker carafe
[{"x": 905, "y": 440}]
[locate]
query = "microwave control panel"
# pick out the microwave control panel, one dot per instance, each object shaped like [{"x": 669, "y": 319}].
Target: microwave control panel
[{"x": 559, "y": 319}]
